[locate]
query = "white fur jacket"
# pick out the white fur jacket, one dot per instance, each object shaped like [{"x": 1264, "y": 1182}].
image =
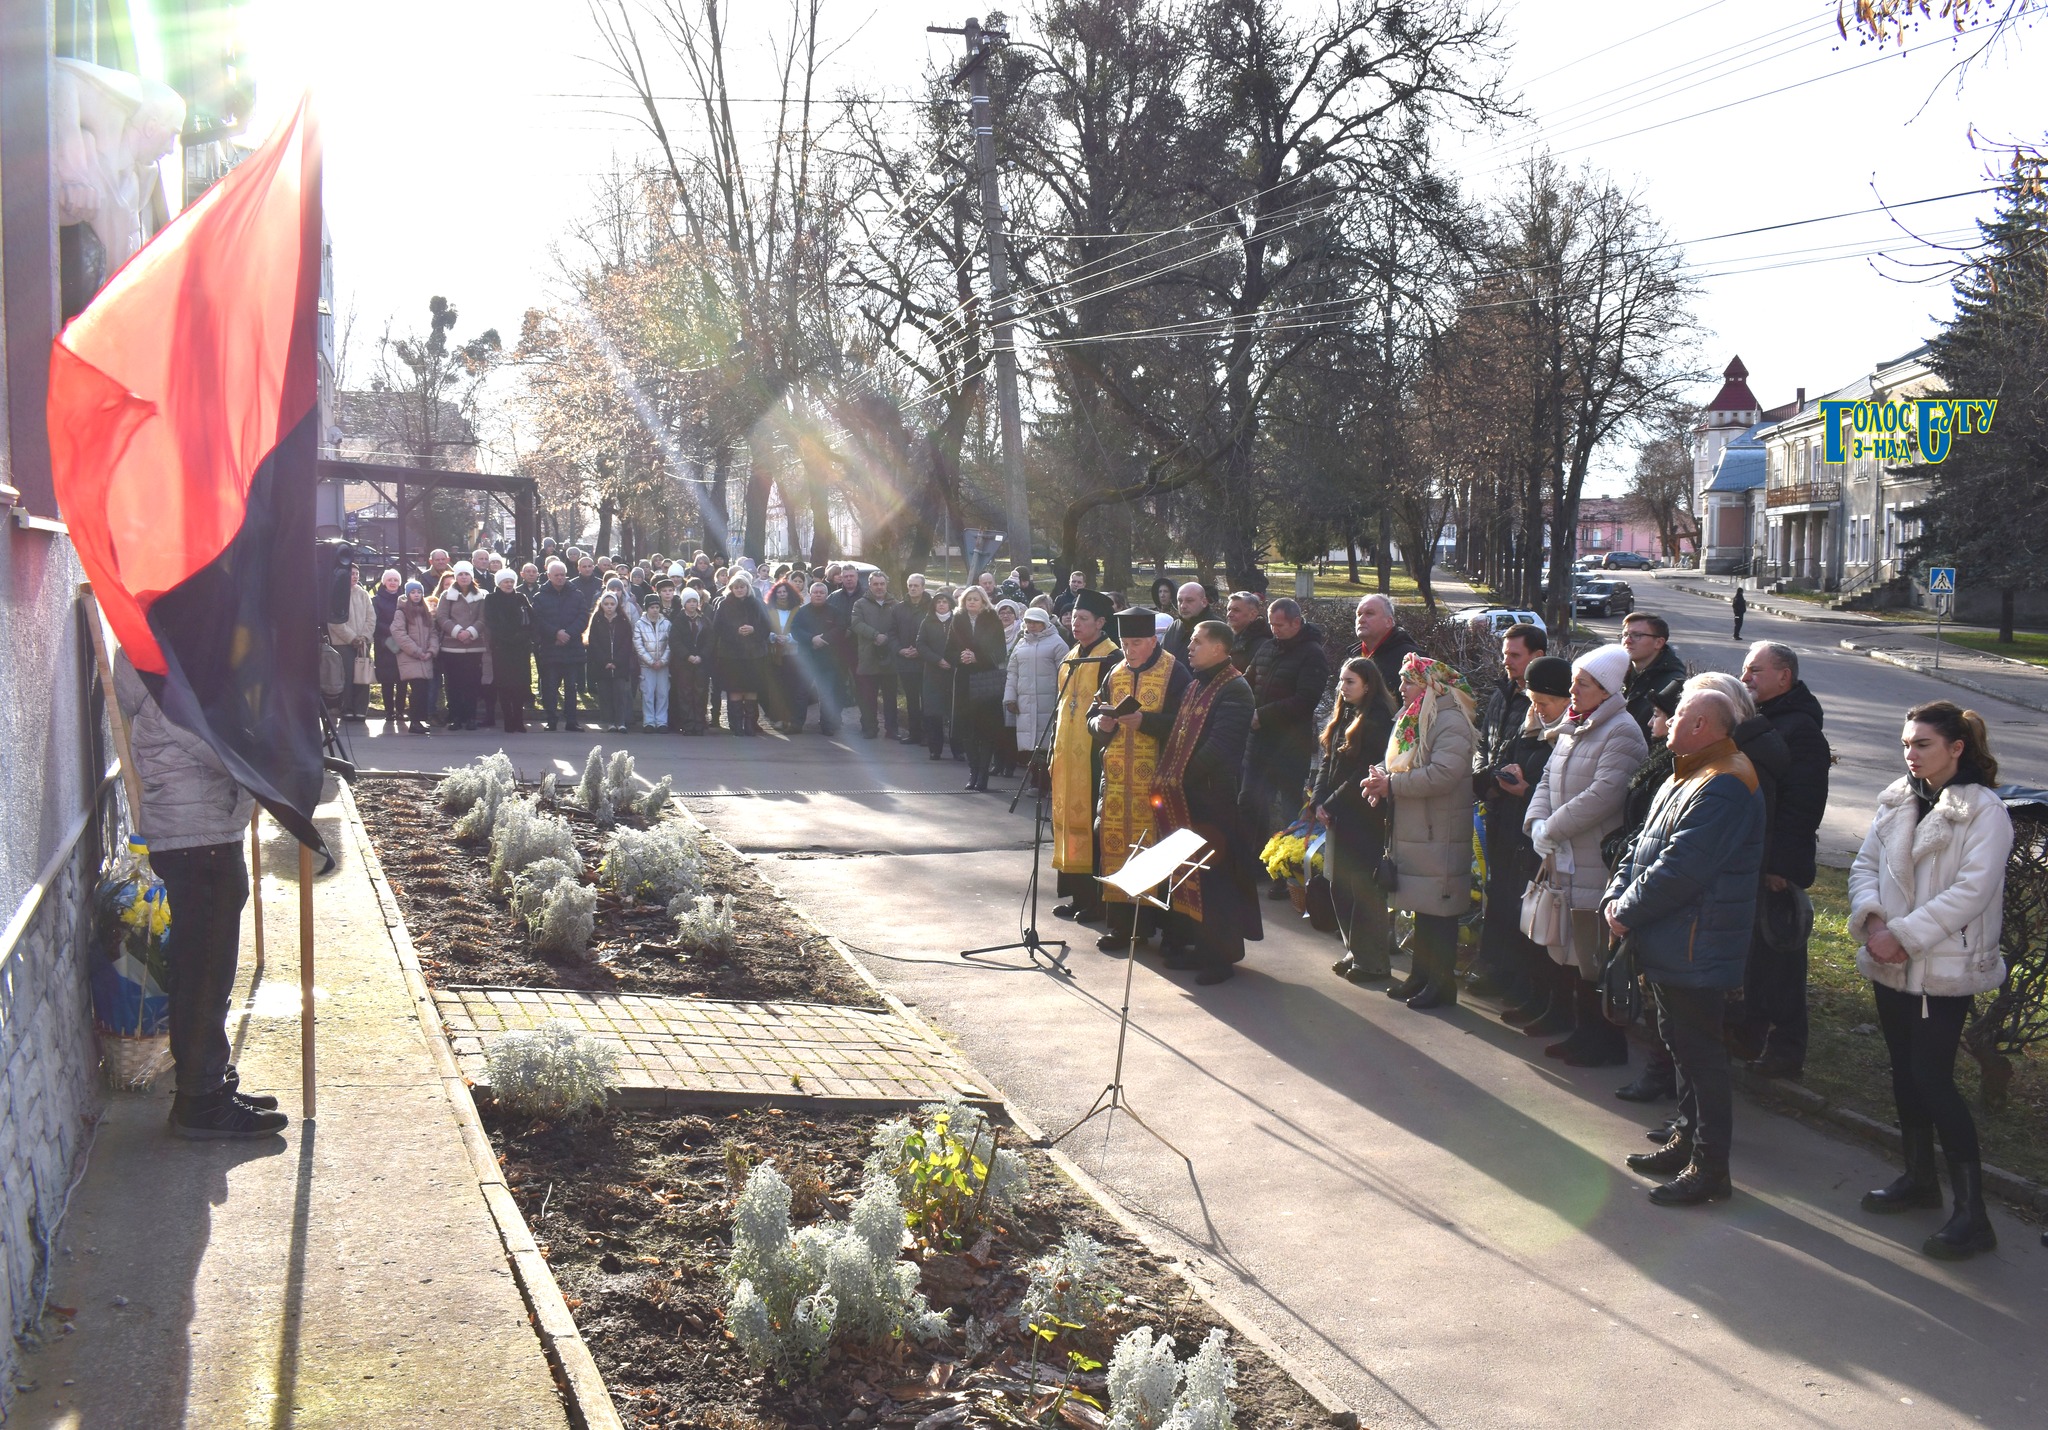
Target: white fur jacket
[{"x": 1939, "y": 884}]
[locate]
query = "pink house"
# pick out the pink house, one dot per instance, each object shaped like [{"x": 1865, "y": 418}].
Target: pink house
[{"x": 1616, "y": 524}]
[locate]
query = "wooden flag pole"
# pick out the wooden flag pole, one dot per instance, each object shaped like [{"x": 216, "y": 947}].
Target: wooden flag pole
[
  {"x": 256, "y": 877},
  {"x": 306, "y": 982},
  {"x": 116, "y": 716}
]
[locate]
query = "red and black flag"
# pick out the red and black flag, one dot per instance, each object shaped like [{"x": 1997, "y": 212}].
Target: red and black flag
[{"x": 184, "y": 421}]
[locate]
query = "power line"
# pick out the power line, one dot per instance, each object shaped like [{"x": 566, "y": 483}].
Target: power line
[{"x": 1643, "y": 35}]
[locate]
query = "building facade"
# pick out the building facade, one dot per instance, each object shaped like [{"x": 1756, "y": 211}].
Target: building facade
[{"x": 1728, "y": 472}]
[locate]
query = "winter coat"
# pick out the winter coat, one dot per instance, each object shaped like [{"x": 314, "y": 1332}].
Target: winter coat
[
  {"x": 937, "y": 674},
  {"x": 459, "y": 621},
  {"x": 1767, "y": 755},
  {"x": 1686, "y": 891},
  {"x": 1642, "y": 684},
  {"x": 742, "y": 660},
  {"x": 188, "y": 797},
  {"x": 984, "y": 636},
  {"x": 1183, "y": 630},
  {"x": 559, "y": 610},
  {"x": 1510, "y": 862},
  {"x": 609, "y": 642},
  {"x": 418, "y": 642},
  {"x": 687, "y": 637},
  {"x": 822, "y": 665},
  {"x": 1584, "y": 788},
  {"x": 1244, "y": 644},
  {"x": 1358, "y": 830},
  {"x": 1432, "y": 829},
  {"x": 1033, "y": 682},
  {"x": 1288, "y": 678},
  {"x": 650, "y": 640},
  {"x": 906, "y": 619},
  {"x": 1803, "y": 793},
  {"x": 1643, "y": 786},
  {"x": 873, "y": 618},
  {"x": 508, "y": 620},
  {"x": 1397, "y": 647},
  {"x": 1939, "y": 882},
  {"x": 1500, "y": 720},
  {"x": 352, "y": 637}
]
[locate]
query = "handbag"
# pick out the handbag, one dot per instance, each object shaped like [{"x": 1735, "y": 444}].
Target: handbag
[
  {"x": 1621, "y": 992},
  {"x": 1386, "y": 873},
  {"x": 1546, "y": 911}
]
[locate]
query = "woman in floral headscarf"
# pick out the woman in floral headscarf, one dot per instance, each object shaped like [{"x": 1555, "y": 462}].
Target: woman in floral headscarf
[{"x": 1428, "y": 776}]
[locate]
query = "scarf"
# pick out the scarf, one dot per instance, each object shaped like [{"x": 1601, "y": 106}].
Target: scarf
[{"x": 1411, "y": 731}]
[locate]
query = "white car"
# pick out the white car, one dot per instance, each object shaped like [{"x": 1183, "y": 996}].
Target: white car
[{"x": 1494, "y": 620}]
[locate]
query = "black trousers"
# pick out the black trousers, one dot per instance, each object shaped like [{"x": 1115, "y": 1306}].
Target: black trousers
[
  {"x": 561, "y": 682},
  {"x": 879, "y": 690},
  {"x": 1436, "y": 949},
  {"x": 465, "y": 677},
  {"x": 913, "y": 704},
  {"x": 979, "y": 720},
  {"x": 206, "y": 887},
  {"x": 1774, "y": 999},
  {"x": 1689, "y": 1021},
  {"x": 1922, "y": 1035}
]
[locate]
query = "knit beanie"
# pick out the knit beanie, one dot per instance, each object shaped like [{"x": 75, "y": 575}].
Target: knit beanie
[
  {"x": 1607, "y": 664},
  {"x": 1548, "y": 675}
]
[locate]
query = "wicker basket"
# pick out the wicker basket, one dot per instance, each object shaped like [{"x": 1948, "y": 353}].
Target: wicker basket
[
  {"x": 1297, "y": 895},
  {"x": 134, "y": 1063}
]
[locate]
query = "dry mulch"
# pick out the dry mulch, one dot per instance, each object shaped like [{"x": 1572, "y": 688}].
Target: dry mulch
[
  {"x": 465, "y": 934},
  {"x": 634, "y": 1212}
]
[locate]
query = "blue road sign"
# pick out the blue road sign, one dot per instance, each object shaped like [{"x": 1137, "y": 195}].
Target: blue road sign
[{"x": 1941, "y": 580}]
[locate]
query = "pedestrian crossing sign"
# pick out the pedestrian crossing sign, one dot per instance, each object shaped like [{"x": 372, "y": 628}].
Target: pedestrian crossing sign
[{"x": 1941, "y": 580}]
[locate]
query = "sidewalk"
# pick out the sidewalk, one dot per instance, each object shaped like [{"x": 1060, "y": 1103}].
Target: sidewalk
[{"x": 347, "y": 1274}]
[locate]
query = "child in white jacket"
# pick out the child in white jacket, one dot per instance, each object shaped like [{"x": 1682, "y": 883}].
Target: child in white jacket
[{"x": 650, "y": 644}]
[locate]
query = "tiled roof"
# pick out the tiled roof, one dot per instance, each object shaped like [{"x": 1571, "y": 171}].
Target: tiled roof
[{"x": 1735, "y": 395}]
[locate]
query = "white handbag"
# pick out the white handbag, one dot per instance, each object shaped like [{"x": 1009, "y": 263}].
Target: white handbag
[{"x": 1546, "y": 908}]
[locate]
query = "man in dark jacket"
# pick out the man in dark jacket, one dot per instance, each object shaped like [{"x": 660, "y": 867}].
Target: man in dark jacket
[
  {"x": 1502, "y": 786},
  {"x": 1287, "y": 679},
  {"x": 907, "y": 618},
  {"x": 1191, "y": 605},
  {"x": 875, "y": 648},
  {"x": 1381, "y": 639},
  {"x": 822, "y": 640},
  {"x": 1248, "y": 628},
  {"x": 1685, "y": 898},
  {"x": 1652, "y": 664},
  {"x": 559, "y": 617},
  {"x": 1774, "y": 993},
  {"x": 1196, "y": 787},
  {"x": 196, "y": 816}
]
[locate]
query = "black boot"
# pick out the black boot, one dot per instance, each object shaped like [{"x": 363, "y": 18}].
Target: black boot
[
  {"x": 220, "y": 1115},
  {"x": 232, "y": 1085},
  {"x": 1529, "y": 1009},
  {"x": 1441, "y": 989},
  {"x": 1414, "y": 983},
  {"x": 1667, "y": 1161},
  {"x": 1557, "y": 1017},
  {"x": 1969, "y": 1229},
  {"x": 1919, "y": 1188},
  {"x": 1697, "y": 1184},
  {"x": 1586, "y": 1021},
  {"x": 1606, "y": 1045},
  {"x": 1659, "y": 1081}
]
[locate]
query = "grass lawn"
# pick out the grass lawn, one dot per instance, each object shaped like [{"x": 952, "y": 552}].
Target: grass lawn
[
  {"x": 1846, "y": 1062},
  {"x": 2029, "y": 646},
  {"x": 1336, "y": 584}
]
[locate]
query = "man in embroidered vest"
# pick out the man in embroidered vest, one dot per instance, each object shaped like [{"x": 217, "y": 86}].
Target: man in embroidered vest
[
  {"x": 1076, "y": 764},
  {"x": 1130, "y": 756},
  {"x": 1196, "y": 788}
]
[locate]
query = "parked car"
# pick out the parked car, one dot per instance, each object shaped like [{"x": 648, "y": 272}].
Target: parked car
[
  {"x": 1630, "y": 561},
  {"x": 1493, "y": 620},
  {"x": 1605, "y": 598}
]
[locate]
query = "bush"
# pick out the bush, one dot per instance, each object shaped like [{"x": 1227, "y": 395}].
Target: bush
[
  {"x": 1150, "y": 1390},
  {"x": 547, "y": 790},
  {"x": 704, "y": 923},
  {"x": 463, "y": 788},
  {"x": 659, "y": 865},
  {"x": 564, "y": 919},
  {"x": 1068, "y": 1287},
  {"x": 590, "y": 789},
  {"x": 553, "y": 1071},
  {"x": 949, "y": 1169},
  {"x": 656, "y": 800},
  {"x": 523, "y": 835},
  {"x": 793, "y": 1295},
  {"x": 531, "y": 884}
]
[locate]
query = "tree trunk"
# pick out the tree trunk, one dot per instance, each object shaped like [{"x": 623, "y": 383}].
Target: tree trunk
[
  {"x": 1385, "y": 557},
  {"x": 717, "y": 523},
  {"x": 760, "y": 476},
  {"x": 1351, "y": 548},
  {"x": 604, "y": 526}
]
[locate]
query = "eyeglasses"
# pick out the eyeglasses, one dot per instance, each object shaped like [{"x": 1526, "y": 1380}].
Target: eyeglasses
[{"x": 1640, "y": 636}]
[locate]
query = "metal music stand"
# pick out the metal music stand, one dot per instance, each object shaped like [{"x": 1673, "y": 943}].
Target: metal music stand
[{"x": 1149, "y": 876}]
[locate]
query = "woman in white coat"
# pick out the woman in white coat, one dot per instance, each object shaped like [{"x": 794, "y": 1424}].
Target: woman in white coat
[
  {"x": 1031, "y": 686},
  {"x": 1581, "y": 800},
  {"x": 1926, "y": 895}
]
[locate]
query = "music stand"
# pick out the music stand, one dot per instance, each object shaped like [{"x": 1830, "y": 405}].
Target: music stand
[{"x": 1171, "y": 862}]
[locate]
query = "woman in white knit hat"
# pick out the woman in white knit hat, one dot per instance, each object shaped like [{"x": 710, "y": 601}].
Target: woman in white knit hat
[{"x": 1582, "y": 798}]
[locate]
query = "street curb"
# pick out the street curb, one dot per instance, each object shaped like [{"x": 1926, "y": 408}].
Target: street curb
[
  {"x": 1961, "y": 682},
  {"x": 1760, "y": 604},
  {"x": 582, "y": 1386},
  {"x": 1340, "y": 1415},
  {"x": 1796, "y": 1100}
]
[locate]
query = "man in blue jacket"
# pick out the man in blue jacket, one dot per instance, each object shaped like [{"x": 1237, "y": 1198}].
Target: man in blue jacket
[
  {"x": 559, "y": 616},
  {"x": 1685, "y": 899}
]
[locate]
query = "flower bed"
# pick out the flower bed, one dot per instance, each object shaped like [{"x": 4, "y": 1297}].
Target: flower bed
[
  {"x": 635, "y": 1215},
  {"x": 466, "y": 934}
]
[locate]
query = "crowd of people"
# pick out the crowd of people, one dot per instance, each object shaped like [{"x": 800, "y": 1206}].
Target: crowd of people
[{"x": 1642, "y": 827}]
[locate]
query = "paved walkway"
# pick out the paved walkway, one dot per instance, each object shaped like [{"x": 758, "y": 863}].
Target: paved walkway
[
  {"x": 674, "y": 1051},
  {"x": 347, "y": 1274}
]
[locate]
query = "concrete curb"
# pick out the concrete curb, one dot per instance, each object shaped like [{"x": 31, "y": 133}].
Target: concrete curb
[
  {"x": 583, "y": 1389},
  {"x": 1949, "y": 677},
  {"x": 1821, "y": 616}
]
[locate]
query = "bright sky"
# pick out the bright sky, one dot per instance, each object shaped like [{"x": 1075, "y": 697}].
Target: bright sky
[{"x": 463, "y": 137}]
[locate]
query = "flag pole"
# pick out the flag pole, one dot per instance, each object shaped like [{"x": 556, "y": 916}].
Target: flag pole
[
  {"x": 256, "y": 879},
  {"x": 306, "y": 982},
  {"x": 117, "y": 718}
]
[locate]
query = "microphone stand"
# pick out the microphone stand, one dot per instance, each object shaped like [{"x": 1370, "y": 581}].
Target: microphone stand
[{"x": 1029, "y": 940}]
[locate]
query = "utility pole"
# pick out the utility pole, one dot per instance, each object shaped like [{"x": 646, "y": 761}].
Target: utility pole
[{"x": 980, "y": 45}]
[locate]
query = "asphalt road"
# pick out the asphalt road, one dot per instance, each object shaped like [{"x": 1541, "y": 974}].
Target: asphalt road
[{"x": 1865, "y": 700}]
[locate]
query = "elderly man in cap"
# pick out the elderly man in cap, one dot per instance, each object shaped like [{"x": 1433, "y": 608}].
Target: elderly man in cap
[
  {"x": 1685, "y": 899},
  {"x": 1152, "y": 681},
  {"x": 1076, "y": 762}
]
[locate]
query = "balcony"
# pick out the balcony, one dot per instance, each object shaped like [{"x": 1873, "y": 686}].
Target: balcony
[{"x": 1779, "y": 494}]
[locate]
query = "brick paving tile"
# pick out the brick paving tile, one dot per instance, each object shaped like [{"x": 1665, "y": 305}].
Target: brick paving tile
[{"x": 688, "y": 1045}]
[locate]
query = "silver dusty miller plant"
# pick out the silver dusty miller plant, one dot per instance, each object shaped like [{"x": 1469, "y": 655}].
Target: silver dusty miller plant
[
  {"x": 704, "y": 923},
  {"x": 523, "y": 835},
  {"x": 475, "y": 793},
  {"x": 1150, "y": 1390},
  {"x": 1068, "y": 1286},
  {"x": 564, "y": 918},
  {"x": 657, "y": 799},
  {"x": 659, "y": 865},
  {"x": 793, "y": 1294},
  {"x": 552, "y": 1071}
]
